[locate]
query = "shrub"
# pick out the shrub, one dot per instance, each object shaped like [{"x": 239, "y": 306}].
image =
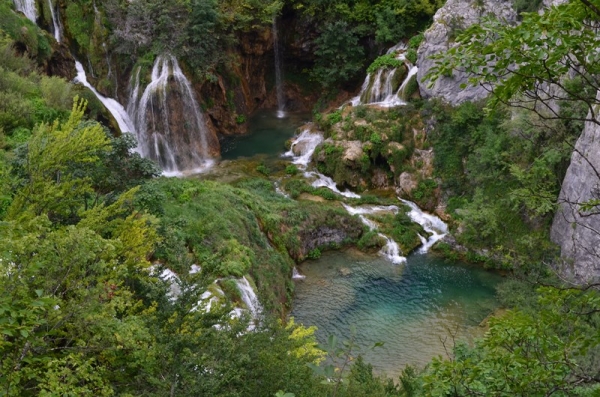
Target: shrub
[
  {"x": 291, "y": 169},
  {"x": 384, "y": 61},
  {"x": 261, "y": 168},
  {"x": 314, "y": 253}
]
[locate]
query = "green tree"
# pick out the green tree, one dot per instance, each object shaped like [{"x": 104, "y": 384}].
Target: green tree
[
  {"x": 339, "y": 55},
  {"x": 552, "y": 351},
  {"x": 527, "y": 65}
]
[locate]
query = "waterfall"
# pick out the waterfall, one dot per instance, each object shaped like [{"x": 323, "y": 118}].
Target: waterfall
[
  {"x": 430, "y": 223},
  {"x": 170, "y": 126},
  {"x": 114, "y": 107},
  {"x": 379, "y": 87},
  {"x": 325, "y": 181},
  {"x": 302, "y": 150},
  {"x": 391, "y": 250},
  {"x": 28, "y": 8},
  {"x": 278, "y": 73},
  {"x": 304, "y": 146},
  {"x": 249, "y": 297},
  {"x": 55, "y": 21},
  {"x": 296, "y": 274}
]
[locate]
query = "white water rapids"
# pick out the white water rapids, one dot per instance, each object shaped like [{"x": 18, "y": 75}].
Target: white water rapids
[{"x": 301, "y": 151}]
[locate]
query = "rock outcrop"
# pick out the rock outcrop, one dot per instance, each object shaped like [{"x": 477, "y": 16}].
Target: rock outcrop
[
  {"x": 449, "y": 20},
  {"x": 575, "y": 229}
]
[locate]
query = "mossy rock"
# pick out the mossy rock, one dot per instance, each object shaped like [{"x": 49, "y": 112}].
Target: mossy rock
[{"x": 399, "y": 76}]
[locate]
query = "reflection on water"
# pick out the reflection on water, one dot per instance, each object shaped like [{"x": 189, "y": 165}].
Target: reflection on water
[
  {"x": 266, "y": 135},
  {"x": 412, "y": 308}
]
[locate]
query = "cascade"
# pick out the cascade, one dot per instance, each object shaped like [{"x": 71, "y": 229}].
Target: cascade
[
  {"x": 249, "y": 297},
  {"x": 55, "y": 21},
  {"x": 28, "y": 8},
  {"x": 305, "y": 145},
  {"x": 430, "y": 223},
  {"x": 278, "y": 73},
  {"x": 391, "y": 250},
  {"x": 168, "y": 102},
  {"x": 301, "y": 151},
  {"x": 378, "y": 88},
  {"x": 114, "y": 107}
]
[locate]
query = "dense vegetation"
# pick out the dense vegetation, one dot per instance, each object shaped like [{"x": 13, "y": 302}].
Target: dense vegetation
[{"x": 88, "y": 227}]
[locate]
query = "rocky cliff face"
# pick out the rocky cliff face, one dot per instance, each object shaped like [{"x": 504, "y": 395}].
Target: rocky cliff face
[
  {"x": 454, "y": 16},
  {"x": 576, "y": 230}
]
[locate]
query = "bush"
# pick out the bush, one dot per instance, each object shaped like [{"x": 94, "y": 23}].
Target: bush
[
  {"x": 388, "y": 61},
  {"x": 261, "y": 168},
  {"x": 291, "y": 169},
  {"x": 314, "y": 254}
]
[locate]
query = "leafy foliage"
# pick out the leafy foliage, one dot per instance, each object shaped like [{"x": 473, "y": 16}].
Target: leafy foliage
[
  {"x": 384, "y": 61},
  {"x": 552, "y": 350}
]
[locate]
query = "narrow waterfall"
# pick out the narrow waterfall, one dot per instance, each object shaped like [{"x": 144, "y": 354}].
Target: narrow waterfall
[
  {"x": 28, "y": 8},
  {"x": 114, "y": 107},
  {"x": 170, "y": 126},
  {"x": 55, "y": 21},
  {"x": 387, "y": 87},
  {"x": 278, "y": 73},
  {"x": 249, "y": 297}
]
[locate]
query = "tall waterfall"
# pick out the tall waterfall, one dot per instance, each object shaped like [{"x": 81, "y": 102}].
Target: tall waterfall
[
  {"x": 28, "y": 8},
  {"x": 278, "y": 73},
  {"x": 114, "y": 107},
  {"x": 170, "y": 126},
  {"x": 55, "y": 21},
  {"x": 387, "y": 87}
]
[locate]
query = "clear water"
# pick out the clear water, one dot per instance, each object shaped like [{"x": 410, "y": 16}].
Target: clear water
[
  {"x": 412, "y": 308},
  {"x": 267, "y": 136}
]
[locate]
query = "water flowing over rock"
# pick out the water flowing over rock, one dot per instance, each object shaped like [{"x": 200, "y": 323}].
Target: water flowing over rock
[
  {"x": 304, "y": 146},
  {"x": 28, "y": 8},
  {"x": 387, "y": 87},
  {"x": 115, "y": 108},
  {"x": 391, "y": 250},
  {"x": 430, "y": 223},
  {"x": 249, "y": 297},
  {"x": 170, "y": 126},
  {"x": 278, "y": 72},
  {"x": 302, "y": 150},
  {"x": 576, "y": 230},
  {"x": 454, "y": 16}
]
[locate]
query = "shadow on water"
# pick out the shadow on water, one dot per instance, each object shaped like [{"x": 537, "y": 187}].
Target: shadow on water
[
  {"x": 267, "y": 136},
  {"x": 412, "y": 308}
]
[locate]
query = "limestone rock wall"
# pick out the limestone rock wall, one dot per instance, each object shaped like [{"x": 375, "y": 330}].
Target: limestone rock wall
[
  {"x": 449, "y": 20},
  {"x": 577, "y": 232}
]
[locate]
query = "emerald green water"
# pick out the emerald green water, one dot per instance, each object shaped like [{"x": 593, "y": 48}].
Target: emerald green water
[
  {"x": 412, "y": 308},
  {"x": 267, "y": 135}
]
